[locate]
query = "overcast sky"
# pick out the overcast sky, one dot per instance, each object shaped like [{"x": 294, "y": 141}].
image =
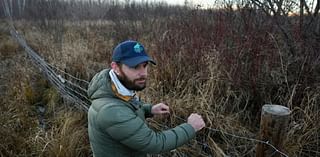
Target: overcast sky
[
  {"x": 203, "y": 3},
  {"x": 211, "y": 3}
]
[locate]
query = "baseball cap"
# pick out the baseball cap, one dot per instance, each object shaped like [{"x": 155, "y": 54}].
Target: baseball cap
[{"x": 130, "y": 53}]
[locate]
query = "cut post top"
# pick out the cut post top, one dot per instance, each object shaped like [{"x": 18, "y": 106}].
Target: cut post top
[{"x": 276, "y": 109}]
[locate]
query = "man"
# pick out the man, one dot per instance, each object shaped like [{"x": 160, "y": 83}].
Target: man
[{"x": 116, "y": 117}]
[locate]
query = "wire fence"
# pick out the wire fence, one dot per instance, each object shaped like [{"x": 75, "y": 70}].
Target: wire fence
[{"x": 77, "y": 94}]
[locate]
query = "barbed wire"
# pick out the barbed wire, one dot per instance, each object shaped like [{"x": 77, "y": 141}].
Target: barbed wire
[
  {"x": 241, "y": 137},
  {"x": 52, "y": 76},
  {"x": 66, "y": 89},
  {"x": 65, "y": 73}
]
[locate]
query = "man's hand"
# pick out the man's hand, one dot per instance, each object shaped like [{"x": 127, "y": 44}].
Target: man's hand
[
  {"x": 159, "y": 109},
  {"x": 196, "y": 121}
]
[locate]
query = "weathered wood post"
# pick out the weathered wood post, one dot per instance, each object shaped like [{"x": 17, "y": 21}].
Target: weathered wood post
[{"x": 273, "y": 127}]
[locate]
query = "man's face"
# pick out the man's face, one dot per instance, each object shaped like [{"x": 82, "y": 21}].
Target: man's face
[{"x": 134, "y": 78}]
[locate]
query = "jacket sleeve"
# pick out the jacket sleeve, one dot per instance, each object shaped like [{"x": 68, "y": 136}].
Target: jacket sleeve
[
  {"x": 147, "y": 110},
  {"x": 124, "y": 126}
]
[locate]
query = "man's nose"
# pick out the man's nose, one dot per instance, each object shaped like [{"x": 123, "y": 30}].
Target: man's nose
[{"x": 143, "y": 71}]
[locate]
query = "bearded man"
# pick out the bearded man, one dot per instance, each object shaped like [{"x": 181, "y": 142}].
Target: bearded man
[{"x": 116, "y": 117}]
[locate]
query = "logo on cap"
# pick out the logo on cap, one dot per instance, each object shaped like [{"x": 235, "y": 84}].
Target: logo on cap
[{"x": 138, "y": 48}]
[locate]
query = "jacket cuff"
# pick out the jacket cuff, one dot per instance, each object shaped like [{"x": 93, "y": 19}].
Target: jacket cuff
[
  {"x": 147, "y": 110},
  {"x": 189, "y": 130}
]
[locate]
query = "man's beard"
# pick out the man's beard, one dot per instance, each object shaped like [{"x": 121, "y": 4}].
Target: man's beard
[{"x": 131, "y": 85}]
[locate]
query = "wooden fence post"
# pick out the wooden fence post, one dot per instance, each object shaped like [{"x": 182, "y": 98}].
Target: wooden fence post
[{"x": 273, "y": 127}]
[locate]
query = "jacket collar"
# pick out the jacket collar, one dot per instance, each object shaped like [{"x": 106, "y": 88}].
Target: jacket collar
[
  {"x": 122, "y": 97},
  {"x": 119, "y": 86}
]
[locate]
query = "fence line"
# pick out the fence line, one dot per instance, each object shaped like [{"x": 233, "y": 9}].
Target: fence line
[
  {"x": 65, "y": 73},
  {"x": 242, "y": 137},
  {"x": 66, "y": 89}
]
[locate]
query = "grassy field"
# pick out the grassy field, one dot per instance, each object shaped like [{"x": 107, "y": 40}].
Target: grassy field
[{"x": 222, "y": 64}]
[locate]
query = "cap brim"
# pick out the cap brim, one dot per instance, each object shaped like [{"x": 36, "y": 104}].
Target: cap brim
[{"x": 132, "y": 62}]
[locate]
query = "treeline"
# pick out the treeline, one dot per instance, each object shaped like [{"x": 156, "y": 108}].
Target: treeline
[
  {"x": 87, "y": 9},
  {"x": 255, "y": 38},
  {"x": 233, "y": 59}
]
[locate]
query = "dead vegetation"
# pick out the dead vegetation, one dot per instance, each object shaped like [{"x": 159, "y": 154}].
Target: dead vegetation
[{"x": 224, "y": 64}]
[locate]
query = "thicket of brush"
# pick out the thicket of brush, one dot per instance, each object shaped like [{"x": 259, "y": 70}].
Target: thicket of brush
[{"x": 222, "y": 63}]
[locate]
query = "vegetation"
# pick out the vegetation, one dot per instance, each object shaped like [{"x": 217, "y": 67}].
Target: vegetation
[{"x": 224, "y": 63}]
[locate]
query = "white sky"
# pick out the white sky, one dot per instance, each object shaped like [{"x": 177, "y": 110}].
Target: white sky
[
  {"x": 203, "y": 3},
  {"x": 210, "y": 3}
]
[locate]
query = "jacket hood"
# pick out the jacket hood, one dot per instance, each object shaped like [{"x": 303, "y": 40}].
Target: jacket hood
[{"x": 100, "y": 86}]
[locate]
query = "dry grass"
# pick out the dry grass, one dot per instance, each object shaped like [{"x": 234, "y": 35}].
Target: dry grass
[
  {"x": 8, "y": 47},
  {"x": 66, "y": 137},
  {"x": 226, "y": 76}
]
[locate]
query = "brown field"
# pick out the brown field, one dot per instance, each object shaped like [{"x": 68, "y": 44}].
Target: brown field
[{"x": 224, "y": 64}]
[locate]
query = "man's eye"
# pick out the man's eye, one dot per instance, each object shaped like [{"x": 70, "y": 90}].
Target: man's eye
[{"x": 144, "y": 65}]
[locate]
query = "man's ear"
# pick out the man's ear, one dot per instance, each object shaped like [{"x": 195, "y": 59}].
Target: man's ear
[{"x": 115, "y": 67}]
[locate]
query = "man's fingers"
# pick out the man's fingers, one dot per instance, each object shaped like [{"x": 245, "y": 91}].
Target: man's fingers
[
  {"x": 165, "y": 111},
  {"x": 165, "y": 107},
  {"x": 161, "y": 108}
]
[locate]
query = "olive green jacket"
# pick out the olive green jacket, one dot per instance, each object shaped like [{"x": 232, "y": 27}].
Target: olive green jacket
[{"x": 117, "y": 125}]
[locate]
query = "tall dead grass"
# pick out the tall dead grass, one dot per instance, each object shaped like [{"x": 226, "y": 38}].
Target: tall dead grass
[{"x": 224, "y": 65}]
